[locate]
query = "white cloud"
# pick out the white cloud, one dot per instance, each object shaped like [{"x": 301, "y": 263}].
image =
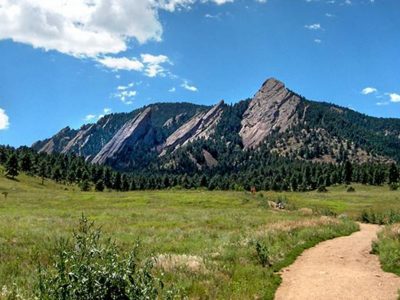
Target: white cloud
[
  {"x": 125, "y": 93},
  {"x": 154, "y": 63},
  {"x": 90, "y": 118},
  {"x": 150, "y": 65},
  {"x": 220, "y": 2},
  {"x": 382, "y": 103},
  {"x": 171, "y": 90},
  {"x": 121, "y": 63},
  {"x": 369, "y": 90},
  {"x": 79, "y": 28},
  {"x": 318, "y": 41},
  {"x": 315, "y": 26},
  {"x": 394, "y": 97},
  {"x": 189, "y": 87},
  {"x": 107, "y": 111},
  {"x": 4, "y": 120},
  {"x": 172, "y": 5},
  {"x": 86, "y": 28}
]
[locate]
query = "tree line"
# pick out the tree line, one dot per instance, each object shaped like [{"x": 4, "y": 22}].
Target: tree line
[{"x": 274, "y": 173}]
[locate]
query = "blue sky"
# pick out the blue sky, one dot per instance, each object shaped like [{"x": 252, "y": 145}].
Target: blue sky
[{"x": 66, "y": 63}]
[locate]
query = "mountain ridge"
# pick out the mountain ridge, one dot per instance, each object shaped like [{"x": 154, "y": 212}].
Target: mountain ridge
[{"x": 275, "y": 120}]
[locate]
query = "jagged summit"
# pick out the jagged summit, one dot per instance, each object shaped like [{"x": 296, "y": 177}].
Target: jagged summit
[
  {"x": 272, "y": 83},
  {"x": 272, "y": 107}
]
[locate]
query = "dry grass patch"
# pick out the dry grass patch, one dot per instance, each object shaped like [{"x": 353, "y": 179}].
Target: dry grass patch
[
  {"x": 287, "y": 226},
  {"x": 173, "y": 262}
]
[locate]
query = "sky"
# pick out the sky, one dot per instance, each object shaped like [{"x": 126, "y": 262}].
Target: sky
[{"x": 69, "y": 62}]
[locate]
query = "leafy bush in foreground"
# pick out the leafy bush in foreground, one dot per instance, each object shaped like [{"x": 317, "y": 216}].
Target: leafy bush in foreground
[{"x": 92, "y": 268}]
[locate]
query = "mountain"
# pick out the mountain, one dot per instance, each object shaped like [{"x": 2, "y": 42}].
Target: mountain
[{"x": 276, "y": 122}]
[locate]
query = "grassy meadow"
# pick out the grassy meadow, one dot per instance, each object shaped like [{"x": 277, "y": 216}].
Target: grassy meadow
[{"x": 208, "y": 245}]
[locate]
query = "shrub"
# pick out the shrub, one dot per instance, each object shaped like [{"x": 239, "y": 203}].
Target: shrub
[
  {"x": 322, "y": 189},
  {"x": 85, "y": 185},
  {"x": 263, "y": 254},
  {"x": 325, "y": 211},
  {"x": 350, "y": 189},
  {"x": 92, "y": 268},
  {"x": 393, "y": 187},
  {"x": 381, "y": 218}
]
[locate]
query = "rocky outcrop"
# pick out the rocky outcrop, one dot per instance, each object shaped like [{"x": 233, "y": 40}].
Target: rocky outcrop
[
  {"x": 201, "y": 125},
  {"x": 273, "y": 108},
  {"x": 56, "y": 143},
  {"x": 211, "y": 162},
  {"x": 79, "y": 141},
  {"x": 129, "y": 134},
  {"x": 174, "y": 120}
]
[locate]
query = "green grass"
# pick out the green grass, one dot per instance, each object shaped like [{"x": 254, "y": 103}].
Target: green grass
[
  {"x": 219, "y": 228},
  {"x": 388, "y": 248},
  {"x": 340, "y": 201}
]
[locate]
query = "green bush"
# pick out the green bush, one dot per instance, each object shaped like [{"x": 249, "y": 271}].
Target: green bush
[
  {"x": 350, "y": 189},
  {"x": 263, "y": 254},
  {"x": 85, "y": 186},
  {"x": 91, "y": 267},
  {"x": 322, "y": 189}
]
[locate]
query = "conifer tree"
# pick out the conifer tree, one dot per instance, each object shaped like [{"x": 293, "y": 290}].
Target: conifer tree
[
  {"x": 99, "y": 187},
  {"x": 348, "y": 172},
  {"x": 12, "y": 169},
  {"x": 393, "y": 174}
]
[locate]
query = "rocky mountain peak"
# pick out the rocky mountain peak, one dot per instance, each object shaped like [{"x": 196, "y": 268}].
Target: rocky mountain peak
[
  {"x": 272, "y": 108},
  {"x": 272, "y": 84}
]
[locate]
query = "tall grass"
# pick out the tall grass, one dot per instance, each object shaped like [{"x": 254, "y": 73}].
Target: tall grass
[
  {"x": 385, "y": 217},
  {"x": 388, "y": 248}
]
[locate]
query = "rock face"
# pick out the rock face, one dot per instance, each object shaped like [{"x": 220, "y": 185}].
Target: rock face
[
  {"x": 56, "y": 143},
  {"x": 129, "y": 134},
  {"x": 174, "y": 120},
  {"x": 201, "y": 125},
  {"x": 79, "y": 140},
  {"x": 273, "y": 107}
]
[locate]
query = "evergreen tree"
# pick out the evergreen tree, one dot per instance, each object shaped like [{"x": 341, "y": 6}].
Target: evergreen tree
[
  {"x": 99, "y": 187},
  {"x": 57, "y": 176},
  {"x": 85, "y": 185},
  {"x": 124, "y": 183},
  {"x": 12, "y": 169},
  {"x": 393, "y": 174},
  {"x": 26, "y": 163},
  {"x": 107, "y": 178},
  {"x": 117, "y": 183},
  {"x": 42, "y": 170},
  {"x": 348, "y": 172}
]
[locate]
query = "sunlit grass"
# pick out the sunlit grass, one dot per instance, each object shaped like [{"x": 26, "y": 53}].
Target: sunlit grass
[{"x": 218, "y": 228}]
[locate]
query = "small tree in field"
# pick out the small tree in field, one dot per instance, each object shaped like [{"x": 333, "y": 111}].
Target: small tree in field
[{"x": 12, "y": 169}]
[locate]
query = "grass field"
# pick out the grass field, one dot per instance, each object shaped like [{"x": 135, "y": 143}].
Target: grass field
[{"x": 204, "y": 241}]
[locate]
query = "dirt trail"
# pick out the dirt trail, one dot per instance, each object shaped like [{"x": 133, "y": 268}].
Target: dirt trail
[{"x": 341, "y": 268}]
